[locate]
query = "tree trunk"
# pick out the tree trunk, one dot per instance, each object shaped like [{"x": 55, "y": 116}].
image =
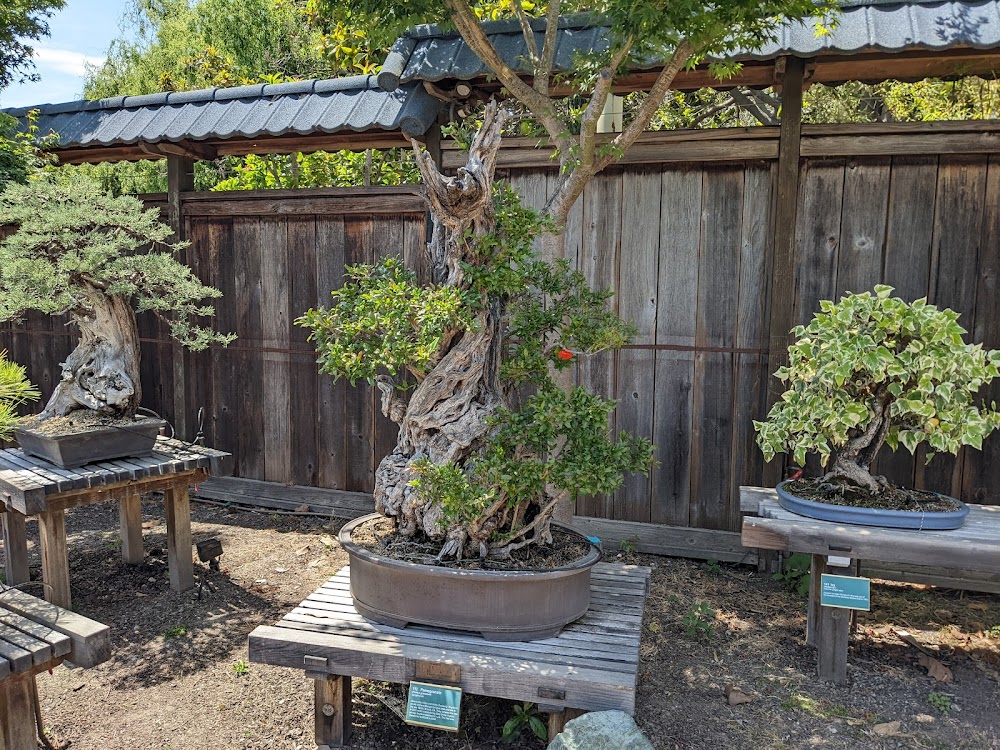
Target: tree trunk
[{"x": 102, "y": 373}]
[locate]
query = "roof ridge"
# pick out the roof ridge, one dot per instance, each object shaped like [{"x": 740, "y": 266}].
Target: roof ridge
[{"x": 506, "y": 26}]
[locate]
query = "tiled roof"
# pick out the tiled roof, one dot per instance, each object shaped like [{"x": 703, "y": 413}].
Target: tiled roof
[
  {"x": 428, "y": 53},
  {"x": 354, "y": 104}
]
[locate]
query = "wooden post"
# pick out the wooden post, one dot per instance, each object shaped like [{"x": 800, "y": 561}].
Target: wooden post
[
  {"x": 333, "y": 711},
  {"x": 55, "y": 562},
  {"x": 17, "y": 713},
  {"x": 130, "y": 528},
  {"x": 827, "y": 628},
  {"x": 180, "y": 179},
  {"x": 781, "y": 294},
  {"x": 558, "y": 719},
  {"x": 15, "y": 548},
  {"x": 177, "y": 505}
]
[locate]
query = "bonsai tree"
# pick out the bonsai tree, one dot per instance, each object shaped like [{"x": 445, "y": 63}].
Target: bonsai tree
[
  {"x": 874, "y": 369},
  {"x": 472, "y": 468},
  {"x": 100, "y": 259},
  {"x": 14, "y": 391}
]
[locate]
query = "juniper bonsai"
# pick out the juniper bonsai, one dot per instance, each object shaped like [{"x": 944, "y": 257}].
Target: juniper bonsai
[
  {"x": 873, "y": 370},
  {"x": 477, "y": 466},
  {"x": 14, "y": 391},
  {"x": 100, "y": 259}
]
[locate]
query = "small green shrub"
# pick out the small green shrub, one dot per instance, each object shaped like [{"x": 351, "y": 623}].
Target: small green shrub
[
  {"x": 796, "y": 575},
  {"x": 525, "y": 715},
  {"x": 175, "y": 631},
  {"x": 241, "y": 667},
  {"x": 941, "y": 702},
  {"x": 14, "y": 391},
  {"x": 698, "y": 621}
]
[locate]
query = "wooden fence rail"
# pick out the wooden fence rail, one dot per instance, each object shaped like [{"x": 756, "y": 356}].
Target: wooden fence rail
[{"x": 684, "y": 244}]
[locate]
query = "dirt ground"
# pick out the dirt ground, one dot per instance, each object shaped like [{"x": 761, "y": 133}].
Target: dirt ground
[{"x": 179, "y": 677}]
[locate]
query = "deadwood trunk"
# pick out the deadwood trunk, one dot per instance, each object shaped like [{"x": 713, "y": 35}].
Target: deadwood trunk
[{"x": 102, "y": 372}]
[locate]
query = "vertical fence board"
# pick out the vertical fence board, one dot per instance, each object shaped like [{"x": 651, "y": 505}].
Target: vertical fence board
[
  {"x": 227, "y": 402},
  {"x": 718, "y": 279},
  {"x": 637, "y": 282},
  {"x": 303, "y": 406},
  {"x": 981, "y": 470},
  {"x": 359, "y": 236},
  {"x": 908, "y": 237},
  {"x": 331, "y": 398},
  {"x": 862, "y": 229},
  {"x": 677, "y": 305},
  {"x": 198, "y": 375},
  {"x": 958, "y": 221},
  {"x": 249, "y": 326},
  {"x": 601, "y": 249}
]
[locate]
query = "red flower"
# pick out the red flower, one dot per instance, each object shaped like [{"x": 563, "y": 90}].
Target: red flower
[{"x": 565, "y": 355}]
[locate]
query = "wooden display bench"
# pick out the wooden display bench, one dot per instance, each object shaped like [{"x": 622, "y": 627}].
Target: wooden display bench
[
  {"x": 974, "y": 547},
  {"x": 590, "y": 666},
  {"x": 30, "y": 486},
  {"x": 36, "y": 636}
]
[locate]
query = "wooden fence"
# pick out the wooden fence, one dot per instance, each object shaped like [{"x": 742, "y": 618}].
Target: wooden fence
[{"x": 682, "y": 234}]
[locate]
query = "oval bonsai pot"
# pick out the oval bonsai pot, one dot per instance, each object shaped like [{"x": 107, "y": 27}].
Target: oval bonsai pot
[
  {"x": 892, "y": 519},
  {"x": 74, "y": 449},
  {"x": 501, "y": 605}
]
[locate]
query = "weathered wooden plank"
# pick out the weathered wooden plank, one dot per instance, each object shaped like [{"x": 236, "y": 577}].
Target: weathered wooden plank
[
  {"x": 274, "y": 351},
  {"x": 862, "y": 229},
  {"x": 90, "y": 640},
  {"x": 637, "y": 288},
  {"x": 15, "y": 548},
  {"x": 302, "y": 247},
  {"x": 196, "y": 386},
  {"x": 177, "y": 507},
  {"x": 712, "y": 408},
  {"x": 55, "y": 563},
  {"x": 17, "y": 715},
  {"x": 599, "y": 260},
  {"x": 18, "y": 658},
  {"x": 249, "y": 325},
  {"x": 958, "y": 227},
  {"x": 223, "y": 420},
  {"x": 130, "y": 528},
  {"x": 39, "y": 650},
  {"x": 388, "y": 202},
  {"x": 359, "y": 233},
  {"x": 981, "y": 471},
  {"x": 675, "y": 541},
  {"x": 909, "y": 233},
  {"x": 332, "y": 705},
  {"x": 817, "y": 236},
  {"x": 59, "y": 643},
  {"x": 331, "y": 398}
]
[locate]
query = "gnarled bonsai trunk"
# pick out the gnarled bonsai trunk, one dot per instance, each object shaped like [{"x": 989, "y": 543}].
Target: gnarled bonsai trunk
[
  {"x": 851, "y": 463},
  {"x": 102, "y": 373},
  {"x": 445, "y": 419}
]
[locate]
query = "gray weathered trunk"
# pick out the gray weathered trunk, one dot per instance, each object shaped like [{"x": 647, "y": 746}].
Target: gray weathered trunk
[{"x": 102, "y": 373}]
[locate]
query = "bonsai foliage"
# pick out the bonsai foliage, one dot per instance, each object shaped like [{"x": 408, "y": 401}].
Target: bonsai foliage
[
  {"x": 874, "y": 369},
  {"x": 479, "y": 466},
  {"x": 99, "y": 259},
  {"x": 14, "y": 391}
]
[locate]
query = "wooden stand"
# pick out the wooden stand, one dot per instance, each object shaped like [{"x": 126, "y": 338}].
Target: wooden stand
[
  {"x": 590, "y": 666},
  {"x": 973, "y": 547},
  {"x": 32, "y": 487},
  {"x": 36, "y": 637}
]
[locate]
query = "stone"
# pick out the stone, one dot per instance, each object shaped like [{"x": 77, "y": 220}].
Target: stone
[{"x": 601, "y": 730}]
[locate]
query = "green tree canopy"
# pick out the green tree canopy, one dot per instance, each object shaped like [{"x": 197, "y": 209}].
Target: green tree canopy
[{"x": 21, "y": 23}]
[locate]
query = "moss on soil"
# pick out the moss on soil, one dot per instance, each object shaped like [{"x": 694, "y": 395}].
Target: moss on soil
[{"x": 893, "y": 498}]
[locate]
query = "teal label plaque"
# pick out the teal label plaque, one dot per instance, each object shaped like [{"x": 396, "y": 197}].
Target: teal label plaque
[
  {"x": 436, "y": 706},
  {"x": 846, "y": 592}
]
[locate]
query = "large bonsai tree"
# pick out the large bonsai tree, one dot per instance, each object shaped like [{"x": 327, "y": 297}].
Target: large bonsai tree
[
  {"x": 494, "y": 323},
  {"x": 14, "y": 391},
  {"x": 99, "y": 259},
  {"x": 873, "y": 370}
]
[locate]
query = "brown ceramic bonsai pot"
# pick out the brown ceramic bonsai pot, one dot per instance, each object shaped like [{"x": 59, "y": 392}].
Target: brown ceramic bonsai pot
[
  {"x": 501, "y": 605},
  {"x": 71, "y": 450}
]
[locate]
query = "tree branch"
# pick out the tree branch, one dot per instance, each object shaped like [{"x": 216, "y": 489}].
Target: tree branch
[
  {"x": 657, "y": 92},
  {"x": 529, "y": 35},
  {"x": 540, "y": 106},
  {"x": 543, "y": 71}
]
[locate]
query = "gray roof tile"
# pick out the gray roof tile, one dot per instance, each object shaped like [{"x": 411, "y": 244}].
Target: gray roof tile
[
  {"x": 428, "y": 53},
  {"x": 302, "y": 107}
]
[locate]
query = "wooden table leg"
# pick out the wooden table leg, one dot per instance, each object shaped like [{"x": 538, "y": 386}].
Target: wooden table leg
[
  {"x": 827, "y": 628},
  {"x": 15, "y": 548},
  {"x": 130, "y": 528},
  {"x": 558, "y": 719},
  {"x": 17, "y": 714},
  {"x": 177, "y": 505},
  {"x": 55, "y": 562},
  {"x": 333, "y": 711}
]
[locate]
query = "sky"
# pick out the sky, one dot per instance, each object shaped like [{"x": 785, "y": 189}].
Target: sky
[{"x": 81, "y": 33}]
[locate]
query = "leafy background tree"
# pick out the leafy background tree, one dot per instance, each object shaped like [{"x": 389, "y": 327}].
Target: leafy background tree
[{"x": 21, "y": 23}]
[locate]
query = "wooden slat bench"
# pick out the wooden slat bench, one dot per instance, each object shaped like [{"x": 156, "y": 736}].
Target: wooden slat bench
[
  {"x": 973, "y": 547},
  {"x": 30, "y": 486},
  {"x": 591, "y": 665},
  {"x": 36, "y": 636}
]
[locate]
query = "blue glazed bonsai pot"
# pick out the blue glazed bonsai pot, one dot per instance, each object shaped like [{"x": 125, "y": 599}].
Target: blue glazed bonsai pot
[{"x": 892, "y": 519}]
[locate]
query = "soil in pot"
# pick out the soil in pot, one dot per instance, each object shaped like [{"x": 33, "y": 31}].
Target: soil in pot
[
  {"x": 81, "y": 420},
  {"x": 893, "y": 498},
  {"x": 379, "y": 536},
  {"x": 84, "y": 437}
]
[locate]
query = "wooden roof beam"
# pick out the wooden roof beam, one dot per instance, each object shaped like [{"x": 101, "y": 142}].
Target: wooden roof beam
[{"x": 185, "y": 149}]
